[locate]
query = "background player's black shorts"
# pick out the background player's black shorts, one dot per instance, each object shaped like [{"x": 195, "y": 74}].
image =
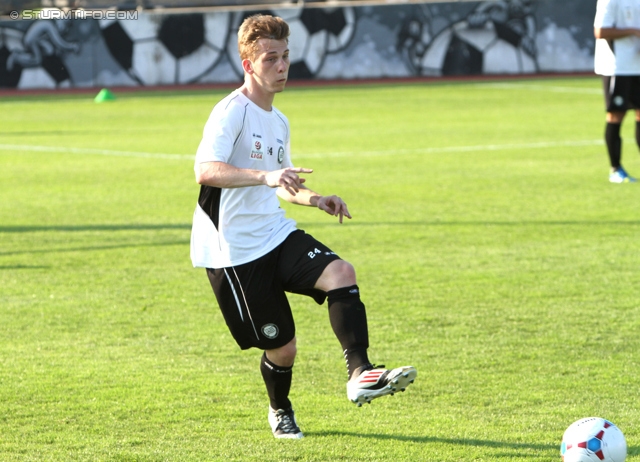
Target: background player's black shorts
[
  {"x": 252, "y": 296},
  {"x": 621, "y": 92}
]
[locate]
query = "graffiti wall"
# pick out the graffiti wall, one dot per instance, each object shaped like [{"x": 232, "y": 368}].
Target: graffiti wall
[{"x": 430, "y": 39}]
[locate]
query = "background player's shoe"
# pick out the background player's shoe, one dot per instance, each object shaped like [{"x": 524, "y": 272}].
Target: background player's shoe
[
  {"x": 621, "y": 176},
  {"x": 377, "y": 381},
  {"x": 283, "y": 424}
]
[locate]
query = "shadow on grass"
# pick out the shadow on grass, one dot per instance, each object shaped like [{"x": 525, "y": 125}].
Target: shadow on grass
[
  {"x": 65, "y": 132},
  {"x": 434, "y": 439},
  {"x": 21, "y": 267},
  {"x": 106, "y": 227},
  {"x": 93, "y": 228},
  {"x": 95, "y": 247},
  {"x": 347, "y": 222},
  {"x": 320, "y": 224}
]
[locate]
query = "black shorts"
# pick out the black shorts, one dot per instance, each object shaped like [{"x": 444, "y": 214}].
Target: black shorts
[
  {"x": 621, "y": 92},
  {"x": 252, "y": 296}
]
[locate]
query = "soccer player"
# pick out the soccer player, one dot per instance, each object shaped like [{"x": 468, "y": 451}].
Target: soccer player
[
  {"x": 253, "y": 253},
  {"x": 617, "y": 59}
]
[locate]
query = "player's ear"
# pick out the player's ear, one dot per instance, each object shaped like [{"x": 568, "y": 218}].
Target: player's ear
[{"x": 247, "y": 65}]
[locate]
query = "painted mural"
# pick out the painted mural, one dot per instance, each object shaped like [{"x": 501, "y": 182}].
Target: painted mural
[{"x": 431, "y": 39}]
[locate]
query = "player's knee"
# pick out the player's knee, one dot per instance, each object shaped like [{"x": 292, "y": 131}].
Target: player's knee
[
  {"x": 285, "y": 355},
  {"x": 338, "y": 273},
  {"x": 615, "y": 117},
  {"x": 341, "y": 274},
  {"x": 344, "y": 271},
  {"x": 290, "y": 350}
]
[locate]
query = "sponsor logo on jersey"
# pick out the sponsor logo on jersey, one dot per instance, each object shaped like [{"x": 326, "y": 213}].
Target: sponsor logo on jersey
[
  {"x": 256, "y": 152},
  {"x": 270, "y": 330}
]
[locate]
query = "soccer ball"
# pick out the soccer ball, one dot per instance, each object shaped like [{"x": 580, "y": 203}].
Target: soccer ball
[
  {"x": 315, "y": 32},
  {"x": 10, "y": 41},
  {"x": 37, "y": 63},
  {"x": 593, "y": 440},
  {"x": 465, "y": 49},
  {"x": 167, "y": 49}
]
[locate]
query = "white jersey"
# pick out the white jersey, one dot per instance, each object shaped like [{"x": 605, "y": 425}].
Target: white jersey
[
  {"x": 621, "y": 56},
  {"x": 233, "y": 226}
]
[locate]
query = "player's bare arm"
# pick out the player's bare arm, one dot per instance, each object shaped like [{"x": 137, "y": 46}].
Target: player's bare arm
[
  {"x": 223, "y": 175},
  {"x": 612, "y": 33},
  {"x": 333, "y": 205}
]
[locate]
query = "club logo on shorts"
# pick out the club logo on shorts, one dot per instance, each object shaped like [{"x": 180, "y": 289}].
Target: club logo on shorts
[
  {"x": 618, "y": 101},
  {"x": 270, "y": 331}
]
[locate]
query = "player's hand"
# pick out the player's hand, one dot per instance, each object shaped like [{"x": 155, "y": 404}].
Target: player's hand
[
  {"x": 287, "y": 178},
  {"x": 335, "y": 206}
]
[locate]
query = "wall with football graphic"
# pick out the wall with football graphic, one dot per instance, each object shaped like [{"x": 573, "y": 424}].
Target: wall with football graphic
[{"x": 353, "y": 42}]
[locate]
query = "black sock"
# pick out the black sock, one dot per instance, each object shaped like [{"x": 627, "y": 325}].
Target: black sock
[
  {"x": 348, "y": 319},
  {"x": 614, "y": 144},
  {"x": 278, "y": 382}
]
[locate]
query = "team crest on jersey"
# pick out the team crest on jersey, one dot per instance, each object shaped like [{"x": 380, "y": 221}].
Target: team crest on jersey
[
  {"x": 256, "y": 152},
  {"x": 280, "y": 154},
  {"x": 270, "y": 330}
]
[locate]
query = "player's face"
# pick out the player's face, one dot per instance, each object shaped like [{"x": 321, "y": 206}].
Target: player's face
[{"x": 271, "y": 64}]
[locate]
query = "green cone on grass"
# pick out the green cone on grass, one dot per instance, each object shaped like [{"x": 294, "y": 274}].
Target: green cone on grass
[{"x": 104, "y": 95}]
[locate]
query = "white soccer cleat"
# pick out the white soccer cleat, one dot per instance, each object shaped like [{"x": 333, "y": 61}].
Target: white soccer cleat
[
  {"x": 377, "y": 382},
  {"x": 621, "y": 176},
  {"x": 283, "y": 424}
]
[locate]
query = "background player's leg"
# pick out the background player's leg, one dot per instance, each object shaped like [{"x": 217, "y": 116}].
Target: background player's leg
[
  {"x": 614, "y": 147},
  {"x": 638, "y": 128},
  {"x": 613, "y": 141}
]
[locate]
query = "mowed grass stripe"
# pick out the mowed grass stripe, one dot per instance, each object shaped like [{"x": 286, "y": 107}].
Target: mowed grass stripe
[
  {"x": 451, "y": 149},
  {"x": 491, "y": 251}
]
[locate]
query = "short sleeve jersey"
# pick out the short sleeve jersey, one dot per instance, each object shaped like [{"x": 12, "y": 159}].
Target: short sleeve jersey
[
  {"x": 233, "y": 226},
  {"x": 622, "y": 56}
]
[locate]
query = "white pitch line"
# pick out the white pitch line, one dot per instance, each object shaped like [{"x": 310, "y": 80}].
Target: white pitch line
[
  {"x": 433, "y": 150},
  {"x": 102, "y": 152},
  {"x": 478, "y": 148},
  {"x": 549, "y": 88}
]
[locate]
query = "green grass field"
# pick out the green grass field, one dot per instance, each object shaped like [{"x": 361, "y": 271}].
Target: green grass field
[{"x": 491, "y": 250}]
